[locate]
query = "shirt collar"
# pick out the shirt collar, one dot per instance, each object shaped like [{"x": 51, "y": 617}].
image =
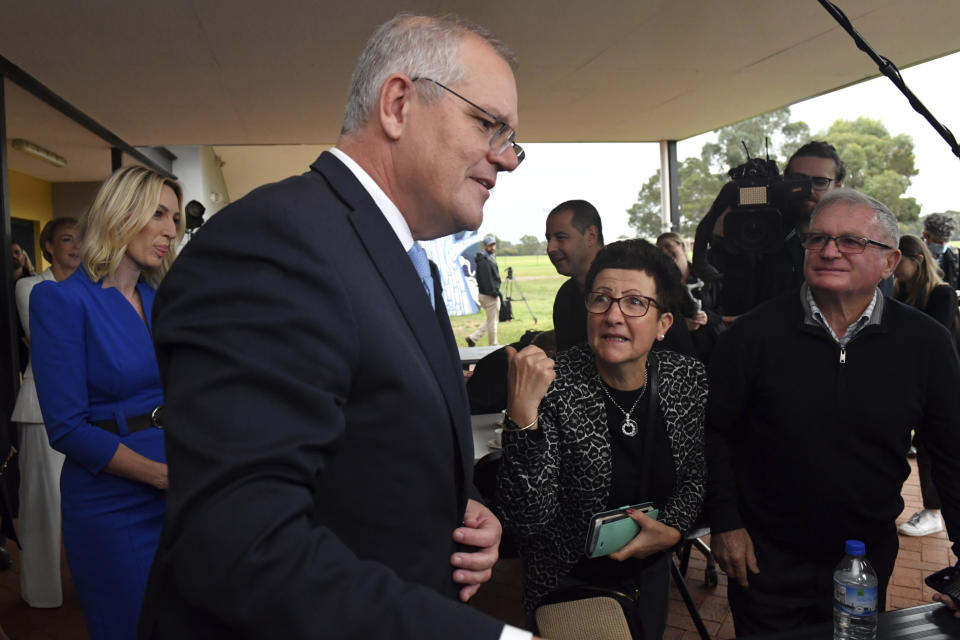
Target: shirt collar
[
  {"x": 390, "y": 211},
  {"x": 813, "y": 316}
]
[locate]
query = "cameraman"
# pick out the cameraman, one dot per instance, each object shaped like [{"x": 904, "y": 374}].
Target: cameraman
[{"x": 751, "y": 278}]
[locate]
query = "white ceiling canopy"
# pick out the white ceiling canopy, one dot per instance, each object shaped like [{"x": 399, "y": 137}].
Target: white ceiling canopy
[{"x": 259, "y": 72}]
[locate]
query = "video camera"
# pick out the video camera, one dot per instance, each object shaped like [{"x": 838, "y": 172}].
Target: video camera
[
  {"x": 764, "y": 211},
  {"x": 753, "y": 201},
  {"x": 754, "y": 258}
]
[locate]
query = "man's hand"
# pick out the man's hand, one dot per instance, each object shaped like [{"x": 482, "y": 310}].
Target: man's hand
[
  {"x": 950, "y": 602},
  {"x": 480, "y": 529},
  {"x": 733, "y": 551}
]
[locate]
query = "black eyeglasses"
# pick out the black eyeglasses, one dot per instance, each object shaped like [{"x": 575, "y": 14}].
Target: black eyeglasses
[
  {"x": 503, "y": 136},
  {"x": 635, "y": 306},
  {"x": 819, "y": 182},
  {"x": 845, "y": 243}
]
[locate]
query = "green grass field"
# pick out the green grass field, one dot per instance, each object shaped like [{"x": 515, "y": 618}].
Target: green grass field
[{"x": 538, "y": 280}]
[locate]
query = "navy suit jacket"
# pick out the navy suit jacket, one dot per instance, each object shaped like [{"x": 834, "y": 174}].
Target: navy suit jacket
[{"x": 318, "y": 432}]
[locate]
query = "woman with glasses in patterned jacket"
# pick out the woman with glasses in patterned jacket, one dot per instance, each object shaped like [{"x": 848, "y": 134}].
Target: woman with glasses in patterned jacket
[{"x": 610, "y": 424}]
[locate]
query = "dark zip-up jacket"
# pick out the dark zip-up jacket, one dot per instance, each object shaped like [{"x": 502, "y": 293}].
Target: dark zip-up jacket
[
  {"x": 488, "y": 274},
  {"x": 807, "y": 441}
]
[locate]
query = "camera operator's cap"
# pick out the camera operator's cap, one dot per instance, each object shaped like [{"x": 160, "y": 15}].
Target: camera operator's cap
[
  {"x": 488, "y": 239},
  {"x": 940, "y": 225}
]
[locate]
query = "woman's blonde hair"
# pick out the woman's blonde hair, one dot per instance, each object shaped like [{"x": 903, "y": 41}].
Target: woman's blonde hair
[
  {"x": 917, "y": 291},
  {"x": 124, "y": 205}
]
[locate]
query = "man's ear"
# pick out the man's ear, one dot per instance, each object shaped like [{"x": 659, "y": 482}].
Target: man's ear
[
  {"x": 893, "y": 259},
  {"x": 393, "y": 107},
  {"x": 590, "y": 235}
]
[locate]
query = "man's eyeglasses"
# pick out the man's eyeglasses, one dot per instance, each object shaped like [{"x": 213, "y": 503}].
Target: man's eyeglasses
[
  {"x": 503, "y": 136},
  {"x": 819, "y": 182},
  {"x": 845, "y": 243},
  {"x": 635, "y": 306}
]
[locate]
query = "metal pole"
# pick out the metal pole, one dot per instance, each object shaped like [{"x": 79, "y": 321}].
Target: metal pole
[
  {"x": 9, "y": 352},
  {"x": 669, "y": 193}
]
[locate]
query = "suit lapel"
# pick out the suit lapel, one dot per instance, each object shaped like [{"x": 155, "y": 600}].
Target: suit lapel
[{"x": 431, "y": 329}]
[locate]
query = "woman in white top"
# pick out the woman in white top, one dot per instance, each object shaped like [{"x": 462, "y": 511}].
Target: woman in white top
[{"x": 39, "y": 523}]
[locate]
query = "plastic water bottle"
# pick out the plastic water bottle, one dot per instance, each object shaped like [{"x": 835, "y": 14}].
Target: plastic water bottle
[{"x": 854, "y": 596}]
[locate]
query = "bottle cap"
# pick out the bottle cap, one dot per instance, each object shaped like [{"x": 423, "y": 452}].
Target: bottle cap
[{"x": 856, "y": 548}]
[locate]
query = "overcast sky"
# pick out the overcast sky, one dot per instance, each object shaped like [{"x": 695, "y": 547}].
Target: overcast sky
[{"x": 610, "y": 175}]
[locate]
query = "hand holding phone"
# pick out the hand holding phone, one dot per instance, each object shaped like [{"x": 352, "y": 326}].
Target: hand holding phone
[
  {"x": 611, "y": 530},
  {"x": 946, "y": 581}
]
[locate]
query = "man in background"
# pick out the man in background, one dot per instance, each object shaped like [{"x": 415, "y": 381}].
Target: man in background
[
  {"x": 488, "y": 286},
  {"x": 937, "y": 230},
  {"x": 751, "y": 278},
  {"x": 574, "y": 237}
]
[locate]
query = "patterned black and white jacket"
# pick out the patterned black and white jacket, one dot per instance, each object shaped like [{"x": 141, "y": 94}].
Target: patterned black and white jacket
[{"x": 550, "y": 484}]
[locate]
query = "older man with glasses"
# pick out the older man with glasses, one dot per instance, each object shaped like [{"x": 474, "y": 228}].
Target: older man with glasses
[
  {"x": 319, "y": 437},
  {"x": 801, "y": 453}
]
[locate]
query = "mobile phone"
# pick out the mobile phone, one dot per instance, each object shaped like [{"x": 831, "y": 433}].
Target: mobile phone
[
  {"x": 946, "y": 581},
  {"x": 611, "y": 530}
]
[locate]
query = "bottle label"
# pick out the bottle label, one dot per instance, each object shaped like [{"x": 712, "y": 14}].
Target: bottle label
[{"x": 855, "y": 600}]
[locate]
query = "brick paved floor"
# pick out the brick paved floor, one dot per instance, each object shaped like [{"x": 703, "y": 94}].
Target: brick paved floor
[{"x": 918, "y": 558}]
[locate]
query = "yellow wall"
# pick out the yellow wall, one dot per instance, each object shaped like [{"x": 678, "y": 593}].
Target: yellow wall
[{"x": 31, "y": 199}]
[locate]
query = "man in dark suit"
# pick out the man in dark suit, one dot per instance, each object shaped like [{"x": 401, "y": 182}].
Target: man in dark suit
[{"x": 318, "y": 434}]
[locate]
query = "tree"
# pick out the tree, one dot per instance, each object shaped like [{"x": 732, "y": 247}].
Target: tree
[
  {"x": 878, "y": 164},
  {"x": 530, "y": 245},
  {"x": 697, "y": 189},
  {"x": 700, "y": 179},
  {"x": 756, "y": 134}
]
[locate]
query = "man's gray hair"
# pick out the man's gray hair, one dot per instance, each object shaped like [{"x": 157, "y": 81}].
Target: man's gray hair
[
  {"x": 940, "y": 225},
  {"x": 886, "y": 218},
  {"x": 419, "y": 47}
]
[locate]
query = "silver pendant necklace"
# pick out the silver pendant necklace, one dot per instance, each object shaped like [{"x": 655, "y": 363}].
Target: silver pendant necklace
[{"x": 629, "y": 427}]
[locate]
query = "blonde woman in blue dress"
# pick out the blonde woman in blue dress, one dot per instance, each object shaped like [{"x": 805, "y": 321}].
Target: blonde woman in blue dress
[{"x": 100, "y": 393}]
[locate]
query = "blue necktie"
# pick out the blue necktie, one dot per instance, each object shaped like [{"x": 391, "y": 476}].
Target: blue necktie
[{"x": 419, "y": 258}]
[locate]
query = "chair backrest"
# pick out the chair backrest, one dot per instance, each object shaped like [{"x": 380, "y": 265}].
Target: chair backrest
[{"x": 596, "y": 618}]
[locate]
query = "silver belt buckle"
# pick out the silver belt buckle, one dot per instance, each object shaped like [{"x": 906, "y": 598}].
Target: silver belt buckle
[{"x": 156, "y": 417}]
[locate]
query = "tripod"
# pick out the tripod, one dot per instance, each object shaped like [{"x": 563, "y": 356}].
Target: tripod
[{"x": 511, "y": 283}]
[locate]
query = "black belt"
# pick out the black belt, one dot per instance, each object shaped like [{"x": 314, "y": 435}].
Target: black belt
[{"x": 152, "y": 420}]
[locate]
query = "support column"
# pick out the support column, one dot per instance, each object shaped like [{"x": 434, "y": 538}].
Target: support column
[
  {"x": 9, "y": 351},
  {"x": 669, "y": 193}
]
